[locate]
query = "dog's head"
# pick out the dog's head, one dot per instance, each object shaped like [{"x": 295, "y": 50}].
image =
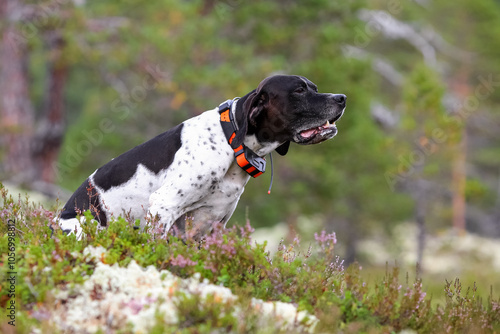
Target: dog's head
[{"x": 288, "y": 108}]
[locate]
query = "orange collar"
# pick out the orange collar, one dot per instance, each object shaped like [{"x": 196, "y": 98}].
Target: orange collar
[{"x": 247, "y": 159}]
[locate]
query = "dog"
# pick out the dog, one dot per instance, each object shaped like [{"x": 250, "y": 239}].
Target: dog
[{"x": 197, "y": 170}]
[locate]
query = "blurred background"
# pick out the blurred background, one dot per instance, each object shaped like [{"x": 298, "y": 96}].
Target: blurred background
[{"x": 413, "y": 173}]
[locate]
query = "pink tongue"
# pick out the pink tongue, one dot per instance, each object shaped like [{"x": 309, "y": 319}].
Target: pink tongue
[{"x": 308, "y": 133}]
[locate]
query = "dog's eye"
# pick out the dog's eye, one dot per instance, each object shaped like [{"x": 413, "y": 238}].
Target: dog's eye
[{"x": 300, "y": 90}]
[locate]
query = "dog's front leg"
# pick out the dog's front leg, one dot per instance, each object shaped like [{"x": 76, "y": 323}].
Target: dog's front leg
[
  {"x": 174, "y": 199},
  {"x": 164, "y": 208}
]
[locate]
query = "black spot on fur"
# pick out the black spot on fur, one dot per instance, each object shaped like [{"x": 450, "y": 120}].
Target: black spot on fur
[{"x": 156, "y": 154}]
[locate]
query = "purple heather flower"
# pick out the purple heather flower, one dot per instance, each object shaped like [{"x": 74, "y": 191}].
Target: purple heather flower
[{"x": 181, "y": 261}]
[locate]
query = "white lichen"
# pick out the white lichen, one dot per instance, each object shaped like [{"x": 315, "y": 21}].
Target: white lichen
[{"x": 114, "y": 297}]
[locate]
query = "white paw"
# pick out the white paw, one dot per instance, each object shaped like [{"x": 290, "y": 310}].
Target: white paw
[{"x": 72, "y": 225}]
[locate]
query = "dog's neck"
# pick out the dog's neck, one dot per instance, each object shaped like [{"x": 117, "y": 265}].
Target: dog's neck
[
  {"x": 258, "y": 147},
  {"x": 251, "y": 141}
]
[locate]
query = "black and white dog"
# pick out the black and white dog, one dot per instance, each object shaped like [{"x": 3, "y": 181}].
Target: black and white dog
[{"x": 198, "y": 169}]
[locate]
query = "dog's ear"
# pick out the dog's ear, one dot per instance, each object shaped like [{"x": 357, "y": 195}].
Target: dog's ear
[
  {"x": 283, "y": 148},
  {"x": 257, "y": 106},
  {"x": 253, "y": 105}
]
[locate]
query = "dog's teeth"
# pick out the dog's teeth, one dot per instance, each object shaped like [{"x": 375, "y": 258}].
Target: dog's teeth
[{"x": 327, "y": 124}]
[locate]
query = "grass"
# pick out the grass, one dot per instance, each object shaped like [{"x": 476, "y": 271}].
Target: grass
[{"x": 315, "y": 282}]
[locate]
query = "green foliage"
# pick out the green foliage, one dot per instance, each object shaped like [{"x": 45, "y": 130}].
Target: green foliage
[
  {"x": 203, "y": 53},
  {"x": 477, "y": 192},
  {"x": 315, "y": 281},
  {"x": 194, "y": 54},
  {"x": 214, "y": 315},
  {"x": 424, "y": 112}
]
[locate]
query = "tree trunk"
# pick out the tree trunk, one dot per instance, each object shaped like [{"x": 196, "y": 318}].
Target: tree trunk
[
  {"x": 16, "y": 111},
  {"x": 347, "y": 234},
  {"x": 420, "y": 214},
  {"x": 461, "y": 88},
  {"x": 350, "y": 229},
  {"x": 459, "y": 180},
  {"x": 352, "y": 244},
  {"x": 27, "y": 156},
  {"x": 50, "y": 131}
]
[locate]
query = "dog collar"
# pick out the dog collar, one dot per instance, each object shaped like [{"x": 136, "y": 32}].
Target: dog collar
[{"x": 247, "y": 159}]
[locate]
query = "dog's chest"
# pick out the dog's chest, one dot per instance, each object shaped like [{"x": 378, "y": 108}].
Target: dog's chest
[
  {"x": 218, "y": 201},
  {"x": 211, "y": 182}
]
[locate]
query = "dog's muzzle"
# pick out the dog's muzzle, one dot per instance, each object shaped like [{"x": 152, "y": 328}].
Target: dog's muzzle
[{"x": 326, "y": 129}]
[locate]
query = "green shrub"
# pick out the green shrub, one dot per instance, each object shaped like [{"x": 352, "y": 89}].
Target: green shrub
[{"x": 315, "y": 281}]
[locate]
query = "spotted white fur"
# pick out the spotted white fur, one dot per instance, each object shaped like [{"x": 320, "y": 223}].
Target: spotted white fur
[
  {"x": 190, "y": 170},
  {"x": 203, "y": 180}
]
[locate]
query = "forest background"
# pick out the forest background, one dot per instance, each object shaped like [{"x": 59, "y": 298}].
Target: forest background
[{"x": 83, "y": 81}]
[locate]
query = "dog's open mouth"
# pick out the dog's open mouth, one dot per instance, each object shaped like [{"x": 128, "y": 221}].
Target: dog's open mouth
[
  {"x": 314, "y": 131},
  {"x": 319, "y": 133}
]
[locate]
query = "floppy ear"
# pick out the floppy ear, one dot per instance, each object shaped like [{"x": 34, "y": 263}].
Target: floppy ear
[
  {"x": 283, "y": 148},
  {"x": 253, "y": 105},
  {"x": 257, "y": 106}
]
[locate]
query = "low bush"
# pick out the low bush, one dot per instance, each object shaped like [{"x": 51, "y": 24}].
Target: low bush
[{"x": 326, "y": 296}]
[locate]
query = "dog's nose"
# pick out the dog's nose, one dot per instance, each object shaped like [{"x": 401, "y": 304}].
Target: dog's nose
[{"x": 340, "y": 98}]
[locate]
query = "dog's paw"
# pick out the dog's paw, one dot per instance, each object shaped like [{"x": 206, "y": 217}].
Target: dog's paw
[{"x": 72, "y": 225}]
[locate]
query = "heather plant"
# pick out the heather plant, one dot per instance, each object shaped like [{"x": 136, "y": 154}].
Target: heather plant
[{"x": 50, "y": 263}]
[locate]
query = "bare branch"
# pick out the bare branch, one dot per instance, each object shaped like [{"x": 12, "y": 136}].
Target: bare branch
[
  {"x": 446, "y": 48},
  {"x": 392, "y": 28},
  {"x": 380, "y": 65},
  {"x": 383, "y": 115}
]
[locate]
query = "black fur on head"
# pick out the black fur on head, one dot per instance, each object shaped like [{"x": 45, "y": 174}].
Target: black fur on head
[
  {"x": 248, "y": 110},
  {"x": 287, "y": 108}
]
